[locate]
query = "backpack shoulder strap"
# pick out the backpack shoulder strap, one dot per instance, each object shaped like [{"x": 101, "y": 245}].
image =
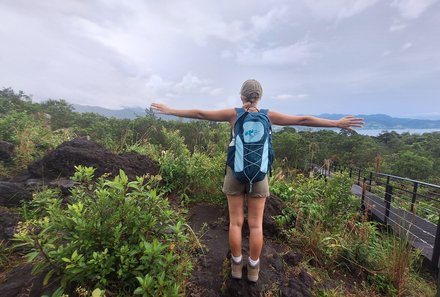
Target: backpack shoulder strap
[
  {"x": 240, "y": 111},
  {"x": 264, "y": 111}
]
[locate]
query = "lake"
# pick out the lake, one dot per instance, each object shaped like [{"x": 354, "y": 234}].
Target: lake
[{"x": 375, "y": 132}]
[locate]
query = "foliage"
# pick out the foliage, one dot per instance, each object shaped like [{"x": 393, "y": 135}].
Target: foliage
[
  {"x": 115, "y": 235},
  {"x": 194, "y": 175},
  {"x": 5, "y": 252},
  {"x": 321, "y": 218},
  {"x": 411, "y": 164},
  {"x": 31, "y": 135}
]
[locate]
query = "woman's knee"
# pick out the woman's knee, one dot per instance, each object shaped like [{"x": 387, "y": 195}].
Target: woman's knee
[
  {"x": 236, "y": 222},
  {"x": 255, "y": 225}
]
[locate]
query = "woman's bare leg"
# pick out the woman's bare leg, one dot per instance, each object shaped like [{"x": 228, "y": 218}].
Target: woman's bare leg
[
  {"x": 236, "y": 218},
  {"x": 255, "y": 221}
]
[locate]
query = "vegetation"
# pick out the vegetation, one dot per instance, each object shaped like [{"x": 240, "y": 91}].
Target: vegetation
[
  {"x": 322, "y": 219},
  {"x": 118, "y": 237}
]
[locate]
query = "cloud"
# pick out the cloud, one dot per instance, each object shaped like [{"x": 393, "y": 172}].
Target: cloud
[
  {"x": 397, "y": 26},
  {"x": 261, "y": 23},
  {"x": 406, "y": 46},
  {"x": 189, "y": 85},
  {"x": 226, "y": 54},
  {"x": 112, "y": 53},
  {"x": 412, "y": 9},
  {"x": 291, "y": 97},
  {"x": 297, "y": 53},
  {"x": 338, "y": 9}
]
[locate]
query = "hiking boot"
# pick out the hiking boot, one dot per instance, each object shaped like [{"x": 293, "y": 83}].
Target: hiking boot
[
  {"x": 236, "y": 269},
  {"x": 252, "y": 272}
]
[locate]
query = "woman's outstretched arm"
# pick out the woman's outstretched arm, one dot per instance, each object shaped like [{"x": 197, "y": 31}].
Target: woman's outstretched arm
[
  {"x": 347, "y": 122},
  {"x": 222, "y": 115}
]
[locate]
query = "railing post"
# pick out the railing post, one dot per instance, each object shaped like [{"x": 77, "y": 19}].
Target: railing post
[
  {"x": 388, "y": 194},
  {"x": 364, "y": 186},
  {"x": 413, "y": 201},
  {"x": 351, "y": 170},
  {"x": 371, "y": 180},
  {"x": 359, "y": 177},
  {"x": 436, "y": 250}
]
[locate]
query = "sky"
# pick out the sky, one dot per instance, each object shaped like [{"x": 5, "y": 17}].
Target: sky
[{"x": 311, "y": 56}]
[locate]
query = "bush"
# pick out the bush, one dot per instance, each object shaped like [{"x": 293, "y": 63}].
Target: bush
[
  {"x": 114, "y": 235},
  {"x": 195, "y": 176},
  {"x": 31, "y": 135}
]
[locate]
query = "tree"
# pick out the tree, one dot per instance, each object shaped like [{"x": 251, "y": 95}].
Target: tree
[
  {"x": 61, "y": 113},
  {"x": 412, "y": 165}
]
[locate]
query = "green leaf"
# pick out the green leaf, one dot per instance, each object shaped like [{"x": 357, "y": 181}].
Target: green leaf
[
  {"x": 58, "y": 293},
  {"x": 139, "y": 291},
  {"x": 97, "y": 292},
  {"x": 48, "y": 276},
  {"x": 32, "y": 256}
]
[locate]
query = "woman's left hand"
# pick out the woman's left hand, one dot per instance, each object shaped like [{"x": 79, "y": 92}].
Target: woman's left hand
[{"x": 350, "y": 122}]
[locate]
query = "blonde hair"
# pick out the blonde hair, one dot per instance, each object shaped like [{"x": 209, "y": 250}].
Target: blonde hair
[
  {"x": 249, "y": 102},
  {"x": 251, "y": 92}
]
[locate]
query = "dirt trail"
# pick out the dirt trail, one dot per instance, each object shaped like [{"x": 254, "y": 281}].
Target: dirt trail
[{"x": 211, "y": 277}]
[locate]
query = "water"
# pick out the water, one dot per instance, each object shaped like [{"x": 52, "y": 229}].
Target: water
[{"x": 375, "y": 132}]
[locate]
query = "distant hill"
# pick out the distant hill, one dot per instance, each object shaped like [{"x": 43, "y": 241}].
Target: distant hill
[
  {"x": 372, "y": 121},
  {"x": 383, "y": 121},
  {"x": 125, "y": 113}
]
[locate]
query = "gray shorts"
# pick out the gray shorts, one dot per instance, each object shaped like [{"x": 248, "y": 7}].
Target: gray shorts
[{"x": 234, "y": 187}]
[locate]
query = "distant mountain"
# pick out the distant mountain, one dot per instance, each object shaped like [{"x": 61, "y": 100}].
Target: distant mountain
[
  {"x": 383, "y": 121},
  {"x": 125, "y": 113},
  {"x": 372, "y": 121}
]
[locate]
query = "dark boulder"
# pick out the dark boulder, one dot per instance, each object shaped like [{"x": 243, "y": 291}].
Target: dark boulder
[
  {"x": 61, "y": 162},
  {"x": 6, "y": 151},
  {"x": 65, "y": 185},
  {"x": 8, "y": 221},
  {"x": 11, "y": 194},
  {"x": 274, "y": 206},
  {"x": 293, "y": 258},
  {"x": 21, "y": 282},
  {"x": 295, "y": 287}
]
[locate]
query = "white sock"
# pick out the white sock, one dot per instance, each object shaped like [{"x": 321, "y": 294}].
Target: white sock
[
  {"x": 254, "y": 262},
  {"x": 237, "y": 259}
]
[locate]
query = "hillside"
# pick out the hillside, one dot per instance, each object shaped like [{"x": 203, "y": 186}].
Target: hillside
[{"x": 372, "y": 121}]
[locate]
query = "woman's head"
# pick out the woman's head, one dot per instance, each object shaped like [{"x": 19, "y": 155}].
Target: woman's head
[{"x": 251, "y": 92}]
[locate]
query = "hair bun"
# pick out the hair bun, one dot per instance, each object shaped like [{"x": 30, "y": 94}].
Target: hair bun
[{"x": 251, "y": 90}]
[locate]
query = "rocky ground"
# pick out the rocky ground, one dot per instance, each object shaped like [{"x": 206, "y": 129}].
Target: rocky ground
[{"x": 280, "y": 273}]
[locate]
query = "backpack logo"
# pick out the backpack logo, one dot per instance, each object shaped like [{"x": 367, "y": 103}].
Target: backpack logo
[{"x": 252, "y": 131}]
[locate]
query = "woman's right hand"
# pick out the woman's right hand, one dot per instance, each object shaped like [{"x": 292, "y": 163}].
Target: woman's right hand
[{"x": 161, "y": 108}]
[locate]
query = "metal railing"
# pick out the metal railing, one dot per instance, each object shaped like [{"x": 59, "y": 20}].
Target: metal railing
[{"x": 408, "y": 205}]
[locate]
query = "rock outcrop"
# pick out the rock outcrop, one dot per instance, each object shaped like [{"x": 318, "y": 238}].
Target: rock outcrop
[{"x": 61, "y": 162}]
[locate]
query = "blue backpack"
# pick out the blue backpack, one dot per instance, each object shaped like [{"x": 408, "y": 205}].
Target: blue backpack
[{"x": 250, "y": 153}]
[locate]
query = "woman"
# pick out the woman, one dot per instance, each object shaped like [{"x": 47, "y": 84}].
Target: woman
[{"x": 251, "y": 93}]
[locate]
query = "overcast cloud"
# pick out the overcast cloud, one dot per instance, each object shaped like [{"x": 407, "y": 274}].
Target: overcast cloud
[{"x": 311, "y": 56}]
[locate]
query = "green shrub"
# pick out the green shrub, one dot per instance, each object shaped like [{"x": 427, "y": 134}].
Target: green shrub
[
  {"x": 31, "y": 135},
  {"x": 115, "y": 235},
  {"x": 195, "y": 176}
]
